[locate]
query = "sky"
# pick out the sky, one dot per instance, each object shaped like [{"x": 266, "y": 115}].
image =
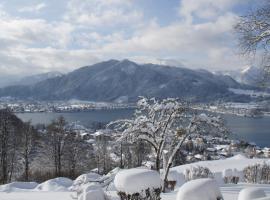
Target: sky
[{"x": 61, "y": 35}]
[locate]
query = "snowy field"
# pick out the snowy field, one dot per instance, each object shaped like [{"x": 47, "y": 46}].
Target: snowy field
[
  {"x": 229, "y": 192},
  {"x": 59, "y": 189}
]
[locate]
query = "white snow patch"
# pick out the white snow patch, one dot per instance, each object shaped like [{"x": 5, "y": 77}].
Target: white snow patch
[
  {"x": 251, "y": 194},
  {"x": 93, "y": 195},
  {"x": 217, "y": 167},
  {"x": 18, "y": 186},
  {"x": 202, "y": 189},
  {"x": 58, "y": 184},
  {"x": 137, "y": 180},
  {"x": 252, "y": 93},
  {"x": 85, "y": 178}
]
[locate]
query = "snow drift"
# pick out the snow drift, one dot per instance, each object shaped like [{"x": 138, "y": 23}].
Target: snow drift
[
  {"x": 132, "y": 181},
  {"x": 18, "y": 186},
  {"x": 251, "y": 194},
  {"x": 202, "y": 189},
  {"x": 56, "y": 185}
]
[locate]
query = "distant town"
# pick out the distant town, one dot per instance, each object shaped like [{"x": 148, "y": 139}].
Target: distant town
[
  {"x": 252, "y": 109},
  {"x": 23, "y": 106}
]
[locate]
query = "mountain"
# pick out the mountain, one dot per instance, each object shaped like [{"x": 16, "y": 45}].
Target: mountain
[
  {"x": 124, "y": 81},
  {"x": 33, "y": 79},
  {"x": 6, "y": 80},
  {"x": 11, "y": 80},
  {"x": 249, "y": 75}
]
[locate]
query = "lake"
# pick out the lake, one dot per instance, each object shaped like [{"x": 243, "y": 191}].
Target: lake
[{"x": 250, "y": 129}]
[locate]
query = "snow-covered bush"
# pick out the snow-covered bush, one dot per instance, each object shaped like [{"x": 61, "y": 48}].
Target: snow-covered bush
[
  {"x": 93, "y": 195},
  {"x": 174, "y": 179},
  {"x": 231, "y": 176},
  {"x": 202, "y": 189},
  {"x": 197, "y": 172},
  {"x": 138, "y": 184},
  {"x": 90, "y": 191},
  {"x": 257, "y": 173},
  {"x": 84, "y": 179},
  {"x": 251, "y": 194}
]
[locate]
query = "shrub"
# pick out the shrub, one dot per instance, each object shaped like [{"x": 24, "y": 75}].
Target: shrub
[
  {"x": 147, "y": 194},
  {"x": 257, "y": 173},
  {"x": 197, "y": 173},
  {"x": 231, "y": 176},
  {"x": 138, "y": 184}
]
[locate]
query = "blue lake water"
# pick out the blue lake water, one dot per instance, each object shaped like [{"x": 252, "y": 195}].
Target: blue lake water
[{"x": 250, "y": 129}]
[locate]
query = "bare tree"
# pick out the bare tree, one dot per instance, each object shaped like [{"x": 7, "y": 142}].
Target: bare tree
[
  {"x": 10, "y": 127},
  {"x": 28, "y": 141},
  {"x": 57, "y": 141},
  {"x": 165, "y": 125},
  {"x": 5, "y": 126},
  {"x": 253, "y": 31}
]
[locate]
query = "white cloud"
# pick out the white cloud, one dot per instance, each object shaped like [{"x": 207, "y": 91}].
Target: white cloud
[
  {"x": 95, "y": 30},
  {"x": 33, "y": 8},
  {"x": 38, "y": 32},
  {"x": 102, "y": 12},
  {"x": 206, "y": 9},
  {"x": 23, "y": 61}
]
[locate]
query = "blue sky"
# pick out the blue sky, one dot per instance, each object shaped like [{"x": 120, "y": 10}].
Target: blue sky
[{"x": 47, "y": 35}]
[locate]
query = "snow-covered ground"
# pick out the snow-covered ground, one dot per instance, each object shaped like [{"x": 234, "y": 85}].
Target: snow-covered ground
[
  {"x": 251, "y": 93},
  {"x": 229, "y": 192},
  {"x": 59, "y": 189}
]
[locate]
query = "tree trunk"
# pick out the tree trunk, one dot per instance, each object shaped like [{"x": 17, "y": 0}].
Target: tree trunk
[
  {"x": 26, "y": 168},
  {"x": 167, "y": 169}
]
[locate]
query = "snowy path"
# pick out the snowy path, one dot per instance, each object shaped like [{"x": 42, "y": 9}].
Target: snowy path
[{"x": 230, "y": 192}]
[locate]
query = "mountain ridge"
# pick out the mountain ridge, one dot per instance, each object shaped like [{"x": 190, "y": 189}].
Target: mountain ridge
[{"x": 124, "y": 81}]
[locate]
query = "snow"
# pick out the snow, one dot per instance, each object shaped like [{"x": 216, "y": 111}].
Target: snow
[
  {"x": 234, "y": 164},
  {"x": 203, "y": 189},
  {"x": 92, "y": 191},
  {"x": 136, "y": 180},
  {"x": 91, "y": 186},
  {"x": 93, "y": 195},
  {"x": 85, "y": 178},
  {"x": 58, "y": 184},
  {"x": 18, "y": 186},
  {"x": 251, "y": 194},
  {"x": 249, "y": 92}
]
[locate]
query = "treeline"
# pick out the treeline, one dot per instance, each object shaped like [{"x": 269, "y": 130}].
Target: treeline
[{"x": 30, "y": 155}]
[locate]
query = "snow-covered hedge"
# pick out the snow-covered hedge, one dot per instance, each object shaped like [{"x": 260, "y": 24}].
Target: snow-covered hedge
[
  {"x": 84, "y": 179},
  {"x": 257, "y": 173},
  {"x": 251, "y": 194},
  {"x": 200, "y": 189},
  {"x": 91, "y": 191},
  {"x": 197, "y": 173},
  {"x": 138, "y": 184},
  {"x": 231, "y": 176}
]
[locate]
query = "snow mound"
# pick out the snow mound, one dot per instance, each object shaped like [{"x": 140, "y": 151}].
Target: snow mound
[
  {"x": 85, "y": 178},
  {"x": 202, "y": 189},
  {"x": 218, "y": 167},
  {"x": 227, "y": 173},
  {"x": 251, "y": 194},
  {"x": 238, "y": 157},
  {"x": 18, "y": 186},
  {"x": 91, "y": 186},
  {"x": 93, "y": 195},
  {"x": 91, "y": 191},
  {"x": 137, "y": 180},
  {"x": 56, "y": 185}
]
